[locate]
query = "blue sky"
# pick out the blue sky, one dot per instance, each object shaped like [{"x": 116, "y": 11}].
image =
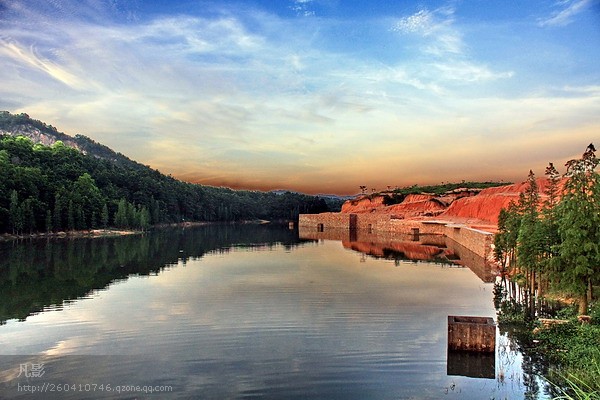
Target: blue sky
[{"x": 312, "y": 95}]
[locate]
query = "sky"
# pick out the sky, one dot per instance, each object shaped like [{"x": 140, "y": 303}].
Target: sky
[{"x": 318, "y": 96}]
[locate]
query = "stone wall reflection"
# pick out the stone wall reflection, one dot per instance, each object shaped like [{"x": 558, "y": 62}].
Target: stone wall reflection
[{"x": 416, "y": 247}]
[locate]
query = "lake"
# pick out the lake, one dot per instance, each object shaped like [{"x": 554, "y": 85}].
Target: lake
[{"x": 242, "y": 312}]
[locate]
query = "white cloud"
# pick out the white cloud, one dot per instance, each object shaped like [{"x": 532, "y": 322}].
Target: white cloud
[
  {"x": 421, "y": 22},
  {"x": 464, "y": 71},
  {"x": 13, "y": 50},
  {"x": 442, "y": 37},
  {"x": 302, "y": 8},
  {"x": 246, "y": 94},
  {"x": 444, "y": 59},
  {"x": 566, "y": 15}
]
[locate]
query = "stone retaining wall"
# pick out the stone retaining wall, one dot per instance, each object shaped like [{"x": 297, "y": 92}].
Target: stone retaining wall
[{"x": 477, "y": 241}]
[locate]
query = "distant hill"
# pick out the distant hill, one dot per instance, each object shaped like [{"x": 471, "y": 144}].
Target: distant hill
[
  {"x": 334, "y": 201},
  {"x": 50, "y": 181}
]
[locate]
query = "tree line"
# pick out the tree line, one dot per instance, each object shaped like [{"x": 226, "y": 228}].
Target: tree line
[
  {"x": 58, "y": 188},
  {"x": 554, "y": 243}
]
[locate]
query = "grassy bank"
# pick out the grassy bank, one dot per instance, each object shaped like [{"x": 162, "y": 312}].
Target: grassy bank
[{"x": 567, "y": 354}]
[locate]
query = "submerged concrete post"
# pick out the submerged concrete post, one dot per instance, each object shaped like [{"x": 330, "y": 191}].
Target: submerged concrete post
[
  {"x": 353, "y": 222},
  {"x": 471, "y": 334}
]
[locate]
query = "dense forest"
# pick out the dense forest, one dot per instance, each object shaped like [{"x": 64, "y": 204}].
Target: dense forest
[{"x": 62, "y": 188}]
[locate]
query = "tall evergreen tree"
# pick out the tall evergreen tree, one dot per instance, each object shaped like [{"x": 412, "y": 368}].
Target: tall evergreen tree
[
  {"x": 58, "y": 212},
  {"x": 28, "y": 216},
  {"x": 71, "y": 216},
  {"x": 551, "y": 241},
  {"x": 104, "y": 216},
  {"x": 578, "y": 225},
  {"x": 530, "y": 238},
  {"x": 553, "y": 189},
  {"x": 121, "y": 220},
  {"x": 15, "y": 218},
  {"x": 48, "y": 221},
  {"x": 144, "y": 218}
]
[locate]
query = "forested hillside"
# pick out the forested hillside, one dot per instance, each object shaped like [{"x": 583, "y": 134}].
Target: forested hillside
[{"x": 86, "y": 185}]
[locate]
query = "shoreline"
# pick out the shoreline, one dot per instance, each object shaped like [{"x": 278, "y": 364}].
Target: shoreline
[
  {"x": 92, "y": 233},
  {"x": 114, "y": 232}
]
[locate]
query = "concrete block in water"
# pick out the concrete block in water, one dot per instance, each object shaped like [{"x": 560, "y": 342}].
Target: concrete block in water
[{"x": 471, "y": 334}]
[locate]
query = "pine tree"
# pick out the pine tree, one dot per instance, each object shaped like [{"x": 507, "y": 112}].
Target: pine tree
[
  {"x": 132, "y": 217},
  {"x": 552, "y": 191},
  {"x": 578, "y": 226},
  {"x": 70, "y": 216},
  {"x": 58, "y": 212},
  {"x": 121, "y": 214},
  {"x": 48, "y": 221},
  {"x": 15, "y": 220},
  {"x": 104, "y": 216},
  {"x": 144, "y": 219},
  {"x": 155, "y": 211},
  {"x": 530, "y": 238},
  {"x": 509, "y": 222},
  {"x": 551, "y": 241}
]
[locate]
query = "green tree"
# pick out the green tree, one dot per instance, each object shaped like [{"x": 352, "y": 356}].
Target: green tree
[
  {"x": 132, "y": 219},
  {"x": 578, "y": 226},
  {"x": 71, "y": 216},
  {"x": 88, "y": 201},
  {"x": 509, "y": 223},
  {"x": 549, "y": 221},
  {"x": 530, "y": 239},
  {"x": 144, "y": 219},
  {"x": 48, "y": 221},
  {"x": 553, "y": 189},
  {"x": 59, "y": 207},
  {"x": 104, "y": 216},
  {"x": 501, "y": 244},
  {"x": 15, "y": 216},
  {"x": 155, "y": 211},
  {"x": 28, "y": 216},
  {"x": 121, "y": 214}
]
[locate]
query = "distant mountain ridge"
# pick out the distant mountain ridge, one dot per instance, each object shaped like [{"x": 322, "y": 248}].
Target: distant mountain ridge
[{"x": 336, "y": 197}]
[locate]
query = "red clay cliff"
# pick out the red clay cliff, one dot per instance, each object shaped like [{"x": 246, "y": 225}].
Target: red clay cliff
[{"x": 477, "y": 208}]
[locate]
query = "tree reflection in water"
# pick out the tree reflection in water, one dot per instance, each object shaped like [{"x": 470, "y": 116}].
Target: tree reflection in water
[{"x": 41, "y": 274}]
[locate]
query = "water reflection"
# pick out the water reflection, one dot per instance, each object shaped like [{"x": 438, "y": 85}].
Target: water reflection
[
  {"x": 38, "y": 274},
  {"x": 419, "y": 247},
  {"x": 474, "y": 365},
  {"x": 221, "y": 313}
]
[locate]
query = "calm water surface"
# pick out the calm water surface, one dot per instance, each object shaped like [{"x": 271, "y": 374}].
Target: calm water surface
[{"x": 223, "y": 312}]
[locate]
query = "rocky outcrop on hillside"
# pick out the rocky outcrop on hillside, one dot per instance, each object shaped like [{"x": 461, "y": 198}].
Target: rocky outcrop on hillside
[{"x": 38, "y": 132}]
